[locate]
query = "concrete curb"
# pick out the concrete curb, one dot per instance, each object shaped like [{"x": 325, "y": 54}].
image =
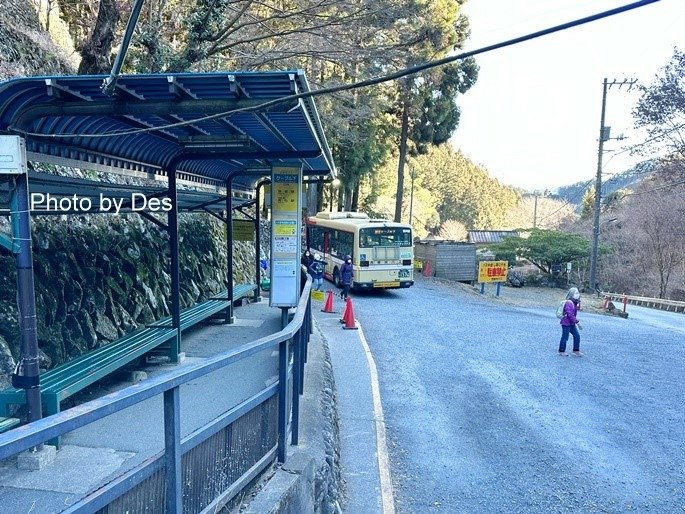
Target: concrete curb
[{"x": 309, "y": 481}]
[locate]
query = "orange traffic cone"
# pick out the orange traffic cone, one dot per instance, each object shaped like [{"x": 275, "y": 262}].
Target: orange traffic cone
[
  {"x": 328, "y": 305},
  {"x": 344, "y": 312},
  {"x": 427, "y": 271},
  {"x": 350, "y": 323}
]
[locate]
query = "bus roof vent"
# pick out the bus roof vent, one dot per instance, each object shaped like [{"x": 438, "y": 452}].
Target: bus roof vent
[{"x": 341, "y": 215}]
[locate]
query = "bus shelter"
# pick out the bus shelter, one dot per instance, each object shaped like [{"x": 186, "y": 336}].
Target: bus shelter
[{"x": 196, "y": 128}]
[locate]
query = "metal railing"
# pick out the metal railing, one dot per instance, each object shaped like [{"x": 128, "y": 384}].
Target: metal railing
[
  {"x": 655, "y": 303},
  {"x": 204, "y": 470}
]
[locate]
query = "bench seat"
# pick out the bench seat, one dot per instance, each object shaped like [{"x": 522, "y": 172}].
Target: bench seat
[
  {"x": 204, "y": 310},
  {"x": 71, "y": 377},
  {"x": 66, "y": 379},
  {"x": 8, "y": 423}
]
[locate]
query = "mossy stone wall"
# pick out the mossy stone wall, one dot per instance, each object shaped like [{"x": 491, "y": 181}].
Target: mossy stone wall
[{"x": 100, "y": 277}]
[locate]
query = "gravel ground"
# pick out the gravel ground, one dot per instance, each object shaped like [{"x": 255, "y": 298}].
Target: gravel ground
[
  {"x": 543, "y": 297},
  {"x": 482, "y": 414}
]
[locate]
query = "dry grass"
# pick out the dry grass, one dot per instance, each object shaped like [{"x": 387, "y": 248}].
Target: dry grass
[{"x": 544, "y": 297}]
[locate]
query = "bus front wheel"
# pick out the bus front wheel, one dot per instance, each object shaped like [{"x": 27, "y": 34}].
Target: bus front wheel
[{"x": 336, "y": 278}]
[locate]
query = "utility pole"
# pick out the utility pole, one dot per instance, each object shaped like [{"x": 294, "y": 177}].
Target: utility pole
[
  {"x": 603, "y": 136},
  {"x": 535, "y": 212}
]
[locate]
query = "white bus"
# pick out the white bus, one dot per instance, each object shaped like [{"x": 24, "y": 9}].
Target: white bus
[{"x": 382, "y": 251}]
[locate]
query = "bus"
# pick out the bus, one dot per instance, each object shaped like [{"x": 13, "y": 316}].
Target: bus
[{"x": 382, "y": 251}]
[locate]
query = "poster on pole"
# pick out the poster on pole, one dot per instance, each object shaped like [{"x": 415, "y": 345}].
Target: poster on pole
[
  {"x": 243, "y": 230},
  {"x": 286, "y": 195}
]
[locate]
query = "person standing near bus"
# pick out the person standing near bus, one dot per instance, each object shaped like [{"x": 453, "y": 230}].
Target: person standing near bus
[
  {"x": 346, "y": 276},
  {"x": 306, "y": 259},
  {"x": 316, "y": 269}
]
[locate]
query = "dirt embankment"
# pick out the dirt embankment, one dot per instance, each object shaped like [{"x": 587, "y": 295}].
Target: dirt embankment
[{"x": 25, "y": 48}]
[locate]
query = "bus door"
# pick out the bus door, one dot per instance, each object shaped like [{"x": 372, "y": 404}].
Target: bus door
[{"x": 326, "y": 253}]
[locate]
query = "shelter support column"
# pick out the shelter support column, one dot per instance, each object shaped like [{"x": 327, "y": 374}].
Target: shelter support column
[
  {"x": 172, "y": 216},
  {"x": 258, "y": 237},
  {"x": 228, "y": 317},
  {"x": 29, "y": 372}
]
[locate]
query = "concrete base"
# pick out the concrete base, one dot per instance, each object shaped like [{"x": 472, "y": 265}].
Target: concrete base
[
  {"x": 137, "y": 376},
  {"x": 36, "y": 460},
  {"x": 290, "y": 490}
]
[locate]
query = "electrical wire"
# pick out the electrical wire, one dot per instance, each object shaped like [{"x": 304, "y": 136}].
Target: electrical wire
[{"x": 372, "y": 81}]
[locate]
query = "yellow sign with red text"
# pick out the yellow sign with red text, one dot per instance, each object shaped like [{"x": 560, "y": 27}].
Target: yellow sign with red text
[{"x": 492, "y": 271}]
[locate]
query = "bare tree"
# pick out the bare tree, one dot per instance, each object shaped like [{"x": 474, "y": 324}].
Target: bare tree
[
  {"x": 97, "y": 49},
  {"x": 648, "y": 244},
  {"x": 453, "y": 230}
]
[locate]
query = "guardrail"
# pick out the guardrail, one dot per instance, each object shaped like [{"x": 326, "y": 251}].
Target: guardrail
[
  {"x": 204, "y": 470},
  {"x": 655, "y": 303}
]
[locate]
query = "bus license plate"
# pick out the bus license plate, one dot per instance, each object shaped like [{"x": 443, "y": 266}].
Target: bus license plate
[{"x": 387, "y": 284}]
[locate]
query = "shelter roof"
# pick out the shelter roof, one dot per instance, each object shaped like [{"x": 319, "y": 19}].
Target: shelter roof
[{"x": 210, "y": 124}]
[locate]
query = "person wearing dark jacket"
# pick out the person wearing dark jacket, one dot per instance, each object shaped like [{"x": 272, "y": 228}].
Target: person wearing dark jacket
[
  {"x": 316, "y": 269},
  {"x": 306, "y": 259},
  {"x": 570, "y": 323},
  {"x": 346, "y": 276}
]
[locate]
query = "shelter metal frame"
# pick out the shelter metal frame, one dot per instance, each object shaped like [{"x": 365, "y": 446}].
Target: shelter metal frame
[{"x": 195, "y": 127}]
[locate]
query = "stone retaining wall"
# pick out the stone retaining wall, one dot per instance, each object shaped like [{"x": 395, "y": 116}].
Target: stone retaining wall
[{"x": 100, "y": 277}]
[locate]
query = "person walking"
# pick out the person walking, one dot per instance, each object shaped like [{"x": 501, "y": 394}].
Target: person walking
[
  {"x": 570, "y": 322},
  {"x": 346, "y": 276},
  {"x": 316, "y": 269}
]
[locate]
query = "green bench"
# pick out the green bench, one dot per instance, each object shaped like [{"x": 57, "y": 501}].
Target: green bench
[
  {"x": 8, "y": 423},
  {"x": 71, "y": 377},
  {"x": 204, "y": 310}
]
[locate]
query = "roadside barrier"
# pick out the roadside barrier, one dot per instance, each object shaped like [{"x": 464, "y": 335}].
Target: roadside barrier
[{"x": 655, "y": 303}]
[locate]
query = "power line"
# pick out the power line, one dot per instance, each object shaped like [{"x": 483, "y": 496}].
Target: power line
[{"x": 373, "y": 81}]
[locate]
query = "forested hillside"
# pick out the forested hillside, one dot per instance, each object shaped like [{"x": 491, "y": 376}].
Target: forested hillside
[{"x": 628, "y": 179}]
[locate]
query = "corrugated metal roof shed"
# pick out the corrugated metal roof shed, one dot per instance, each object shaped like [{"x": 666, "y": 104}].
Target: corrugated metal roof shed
[{"x": 489, "y": 236}]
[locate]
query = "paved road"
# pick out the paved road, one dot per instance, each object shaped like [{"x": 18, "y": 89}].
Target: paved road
[{"x": 484, "y": 416}]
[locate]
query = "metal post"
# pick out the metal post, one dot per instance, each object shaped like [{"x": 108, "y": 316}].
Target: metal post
[
  {"x": 26, "y": 297},
  {"x": 172, "y": 451},
  {"x": 172, "y": 217},
  {"x": 229, "y": 319},
  {"x": 297, "y": 384},
  {"x": 598, "y": 193},
  {"x": 303, "y": 348},
  {"x": 109, "y": 83},
  {"x": 258, "y": 246},
  {"x": 282, "y": 397}
]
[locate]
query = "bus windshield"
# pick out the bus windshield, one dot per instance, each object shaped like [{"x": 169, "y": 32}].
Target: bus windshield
[{"x": 384, "y": 236}]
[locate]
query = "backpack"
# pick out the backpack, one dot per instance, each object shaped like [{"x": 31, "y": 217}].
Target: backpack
[{"x": 560, "y": 309}]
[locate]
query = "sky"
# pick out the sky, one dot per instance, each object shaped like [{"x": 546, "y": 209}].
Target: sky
[{"x": 532, "y": 119}]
